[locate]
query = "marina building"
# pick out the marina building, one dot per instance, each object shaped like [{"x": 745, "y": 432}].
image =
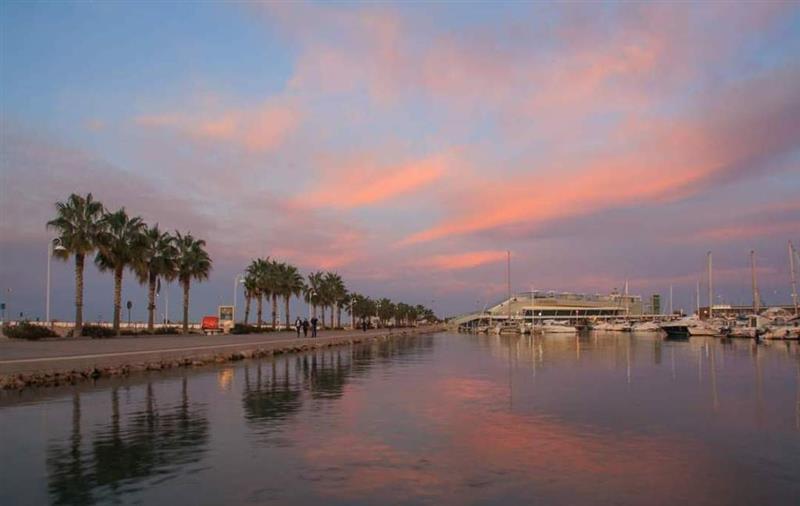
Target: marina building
[{"x": 538, "y": 306}]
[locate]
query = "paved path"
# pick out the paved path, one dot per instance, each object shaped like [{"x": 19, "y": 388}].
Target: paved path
[{"x": 19, "y": 356}]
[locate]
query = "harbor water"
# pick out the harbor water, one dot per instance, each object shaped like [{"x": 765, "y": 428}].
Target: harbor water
[{"x": 439, "y": 419}]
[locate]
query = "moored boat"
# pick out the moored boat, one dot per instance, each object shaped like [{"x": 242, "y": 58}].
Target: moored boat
[{"x": 556, "y": 327}]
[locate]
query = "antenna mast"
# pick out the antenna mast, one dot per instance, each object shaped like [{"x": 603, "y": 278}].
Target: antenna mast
[
  {"x": 756, "y": 298},
  {"x": 792, "y": 253},
  {"x": 710, "y": 289}
]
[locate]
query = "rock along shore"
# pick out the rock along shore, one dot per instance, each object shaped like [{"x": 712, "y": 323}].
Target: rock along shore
[{"x": 65, "y": 370}]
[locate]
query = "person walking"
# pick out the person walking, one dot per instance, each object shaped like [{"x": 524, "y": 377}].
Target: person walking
[
  {"x": 298, "y": 324},
  {"x": 305, "y": 327},
  {"x": 314, "y": 322}
]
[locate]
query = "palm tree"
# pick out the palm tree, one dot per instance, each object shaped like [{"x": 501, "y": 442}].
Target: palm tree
[
  {"x": 334, "y": 291},
  {"x": 272, "y": 288},
  {"x": 385, "y": 309},
  {"x": 352, "y": 307},
  {"x": 158, "y": 259},
  {"x": 119, "y": 245},
  {"x": 78, "y": 224},
  {"x": 193, "y": 263},
  {"x": 250, "y": 291},
  {"x": 312, "y": 291},
  {"x": 342, "y": 301},
  {"x": 290, "y": 283},
  {"x": 258, "y": 270}
]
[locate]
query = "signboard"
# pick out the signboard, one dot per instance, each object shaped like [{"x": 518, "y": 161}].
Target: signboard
[
  {"x": 225, "y": 314},
  {"x": 225, "y": 318}
]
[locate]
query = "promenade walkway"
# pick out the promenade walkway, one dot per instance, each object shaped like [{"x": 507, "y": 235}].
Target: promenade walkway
[{"x": 19, "y": 356}]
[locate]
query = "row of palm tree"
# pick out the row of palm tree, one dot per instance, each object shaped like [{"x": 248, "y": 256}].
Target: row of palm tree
[
  {"x": 121, "y": 242},
  {"x": 270, "y": 279}
]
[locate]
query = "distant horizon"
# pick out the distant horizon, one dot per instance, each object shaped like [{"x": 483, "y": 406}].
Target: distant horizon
[{"x": 407, "y": 147}]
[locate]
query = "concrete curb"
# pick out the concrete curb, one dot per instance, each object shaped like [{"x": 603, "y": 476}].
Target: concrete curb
[{"x": 83, "y": 368}]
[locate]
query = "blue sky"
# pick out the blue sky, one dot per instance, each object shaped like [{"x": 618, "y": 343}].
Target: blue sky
[{"x": 408, "y": 146}]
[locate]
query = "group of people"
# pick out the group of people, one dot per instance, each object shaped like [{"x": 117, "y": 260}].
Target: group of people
[{"x": 305, "y": 324}]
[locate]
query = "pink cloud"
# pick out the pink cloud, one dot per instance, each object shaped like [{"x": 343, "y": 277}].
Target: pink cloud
[
  {"x": 461, "y": 260},
  {"x": 262, "y": 128},
  {"x": 365, "y": 183}
]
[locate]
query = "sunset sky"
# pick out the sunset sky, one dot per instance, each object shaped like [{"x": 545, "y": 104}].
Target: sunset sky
[{"x": 408, "y": 146}]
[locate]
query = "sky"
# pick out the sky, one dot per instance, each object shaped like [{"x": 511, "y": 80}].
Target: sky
[{"x": 408, "y": 146}]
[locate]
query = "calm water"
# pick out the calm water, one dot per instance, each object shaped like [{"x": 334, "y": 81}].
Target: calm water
[{"x": 446, "y": 419}]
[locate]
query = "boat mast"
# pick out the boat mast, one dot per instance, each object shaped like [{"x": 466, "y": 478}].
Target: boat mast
[
  {"x": 697, "y": 298},
  {"x": 756, "y": 301},
  {"x": 792, "y": 254},
  {"x": 508, "y": 280},
  {"x": 671, "y": 311},
  {"x": 710, "y": 289}
]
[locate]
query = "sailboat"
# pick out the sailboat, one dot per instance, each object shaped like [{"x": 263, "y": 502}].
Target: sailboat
[
  {"x": 645, "y": 327},
  {"x": 558, "y": 327}
]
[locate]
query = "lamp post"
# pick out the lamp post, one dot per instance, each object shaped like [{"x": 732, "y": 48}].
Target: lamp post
[
  {"x": 311, "y": 295},
  {"x": 52, "y": 246},
  {"x": 239, "y": 278}
]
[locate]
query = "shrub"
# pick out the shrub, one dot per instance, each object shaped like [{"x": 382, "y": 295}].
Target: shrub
[
  {"x": 26, "y": 330},
  {"x": 241, "y": 328},
  {"x": 160, "y": 331},
  {"x": 97, "y": 331}
]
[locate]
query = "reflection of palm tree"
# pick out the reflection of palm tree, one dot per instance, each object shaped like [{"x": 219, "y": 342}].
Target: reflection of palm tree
[
  {"x": 272, "y": 401},
  {"x": 327, "y": 381},
  {"x": 152, "y": 442},
  {"x": 69, "y": 480}
]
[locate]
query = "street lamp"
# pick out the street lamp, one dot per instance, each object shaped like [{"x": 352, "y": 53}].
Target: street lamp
[
  {"x": 52, "y": 246},
  {"x": 239, "y": 278},
  {"x": 311, "y": 295}
]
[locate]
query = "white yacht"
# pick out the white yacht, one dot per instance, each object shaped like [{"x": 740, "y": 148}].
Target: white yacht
[
  {"x": 558, "y": 327},
  {"x": 615, "y": 326},
  {"x": 686, "y": 327},
  {"x": 645, "y": 327}
]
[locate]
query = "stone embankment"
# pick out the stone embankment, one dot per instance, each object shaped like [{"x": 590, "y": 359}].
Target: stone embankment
[{"x": 55, "y": 371}]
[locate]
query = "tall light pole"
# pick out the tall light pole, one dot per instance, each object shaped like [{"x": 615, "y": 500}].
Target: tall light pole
[
  {"x": 52, "y": 246},
  {"x": 239, "y": 278},
  {"x": 311, "y": 295}
]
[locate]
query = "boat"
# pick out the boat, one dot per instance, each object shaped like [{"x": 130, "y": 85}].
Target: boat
[
  {"x": 677, "y": 328},
  {"x": 782, "y": 329},
  {"x": 616, "y": 326},
  {"x": 557, "y": 327},
  {"x": 645, "y": 327},
  {"x": 686, "y": 327}
]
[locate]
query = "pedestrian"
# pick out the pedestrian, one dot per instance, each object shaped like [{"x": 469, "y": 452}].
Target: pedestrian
[
  {"x": 298, "y": 324},
  {"x": 314, "y": 322},
  {"x": 305, "y": 327},
  {"x": 364, "y": 324}
]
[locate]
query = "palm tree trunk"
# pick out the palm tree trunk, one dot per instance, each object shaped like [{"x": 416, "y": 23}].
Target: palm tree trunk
[
  {"x": 259, "y": 309},
  {"x": 274, "y": 311},
  {"x": 338, "y": 316},
  {"x": 117, "y": 298},
  {"x": 286, "y": 309},
  {"x": 332, "y": 314},
  {"x": 79, "y": 258},
  {"x": 352, "y": 317},
  {"x": 186, "y": 306},
  {"x": 246, "y": 309},
  {"x": 314, "y": 310},
  {"x": 151, "y": 302}
]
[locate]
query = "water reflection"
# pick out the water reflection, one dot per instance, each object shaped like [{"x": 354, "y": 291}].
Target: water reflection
[
  {"x": 119, "y": 456},
  {"x": 451, "y": 419}
]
